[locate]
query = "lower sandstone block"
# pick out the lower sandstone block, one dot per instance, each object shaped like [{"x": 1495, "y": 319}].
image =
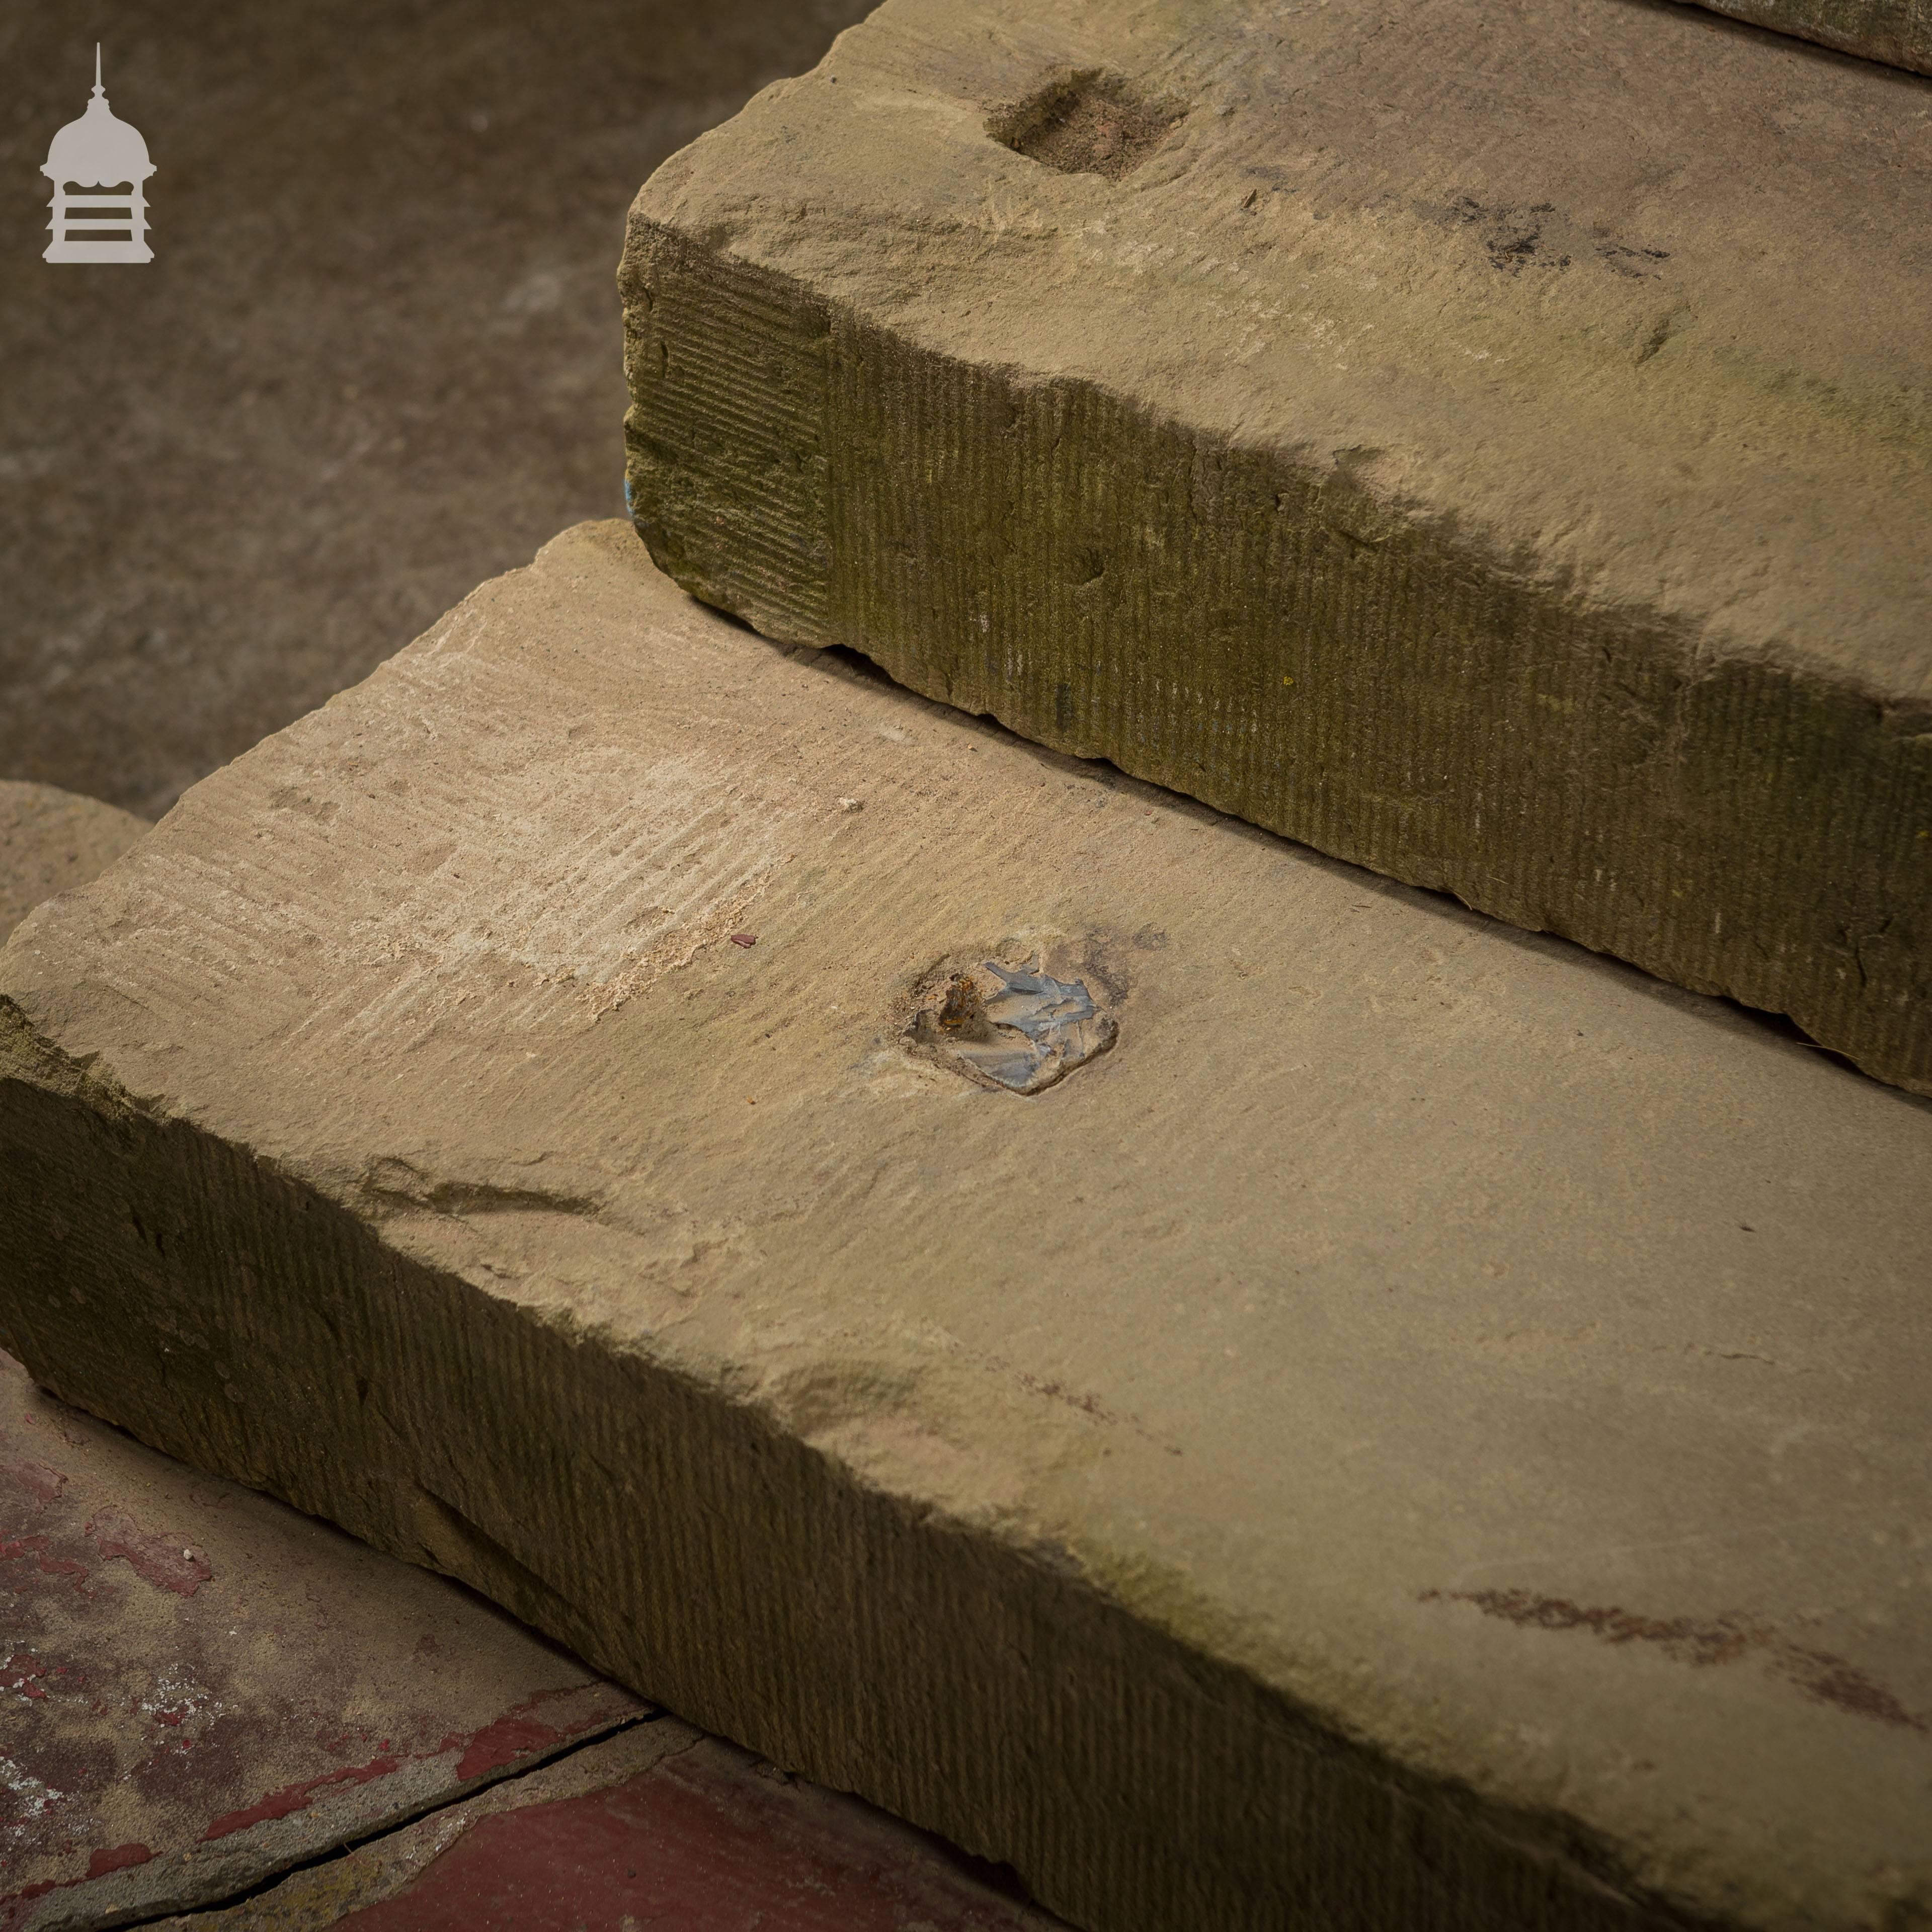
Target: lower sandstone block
[
  {"x": 1490, "y": 443},
  {"x": 1414, "y": 1425}
]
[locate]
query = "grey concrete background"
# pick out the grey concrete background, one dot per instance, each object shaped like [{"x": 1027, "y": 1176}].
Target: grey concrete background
[{"x": 375, "y": 360}]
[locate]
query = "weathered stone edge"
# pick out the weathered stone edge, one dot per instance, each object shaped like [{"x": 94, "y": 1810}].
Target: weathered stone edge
[
  {"x": 1896, "y": 32},
  {"x": 233, "y": 1317},
  {"x": 1383, "y": 690}
]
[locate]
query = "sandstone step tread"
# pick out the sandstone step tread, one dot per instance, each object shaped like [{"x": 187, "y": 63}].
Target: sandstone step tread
[{"x": 1426, "y": 1426}]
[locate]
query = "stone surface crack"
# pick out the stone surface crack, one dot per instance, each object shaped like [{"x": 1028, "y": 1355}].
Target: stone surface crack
[{"x": 390, "y": 1828}]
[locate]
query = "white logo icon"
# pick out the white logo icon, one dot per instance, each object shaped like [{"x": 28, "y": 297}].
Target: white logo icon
[{"x": 96, "y": 165}]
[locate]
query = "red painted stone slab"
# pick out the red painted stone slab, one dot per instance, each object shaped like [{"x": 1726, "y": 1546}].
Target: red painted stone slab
[
  {"x": 199, "y": 1687},
  {"x": 704, "y": 1842},
  {"x": 659, "y": 1825}
]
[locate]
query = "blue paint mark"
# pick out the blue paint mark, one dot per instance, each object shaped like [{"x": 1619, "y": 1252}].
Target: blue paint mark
[{"x": 1025, "y": 1033}]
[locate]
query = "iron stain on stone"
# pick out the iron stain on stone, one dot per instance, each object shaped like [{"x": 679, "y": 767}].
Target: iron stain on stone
[{"x": 1019, "y": 1028}]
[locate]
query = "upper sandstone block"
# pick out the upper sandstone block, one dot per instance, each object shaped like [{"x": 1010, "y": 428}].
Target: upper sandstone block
[{"x": 1492, "y": 443}]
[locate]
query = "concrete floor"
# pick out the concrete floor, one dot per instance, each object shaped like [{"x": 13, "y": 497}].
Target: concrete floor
[{"x": 375, "y": 359}]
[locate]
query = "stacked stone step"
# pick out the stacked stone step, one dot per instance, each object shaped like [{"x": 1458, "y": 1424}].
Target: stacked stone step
[
  {"x": 53, "y": 841},
  {"x": 1491, "y": 444},
  {"x": 970, "y": 1263},
  {"x": 1418, "y": 1425}
]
